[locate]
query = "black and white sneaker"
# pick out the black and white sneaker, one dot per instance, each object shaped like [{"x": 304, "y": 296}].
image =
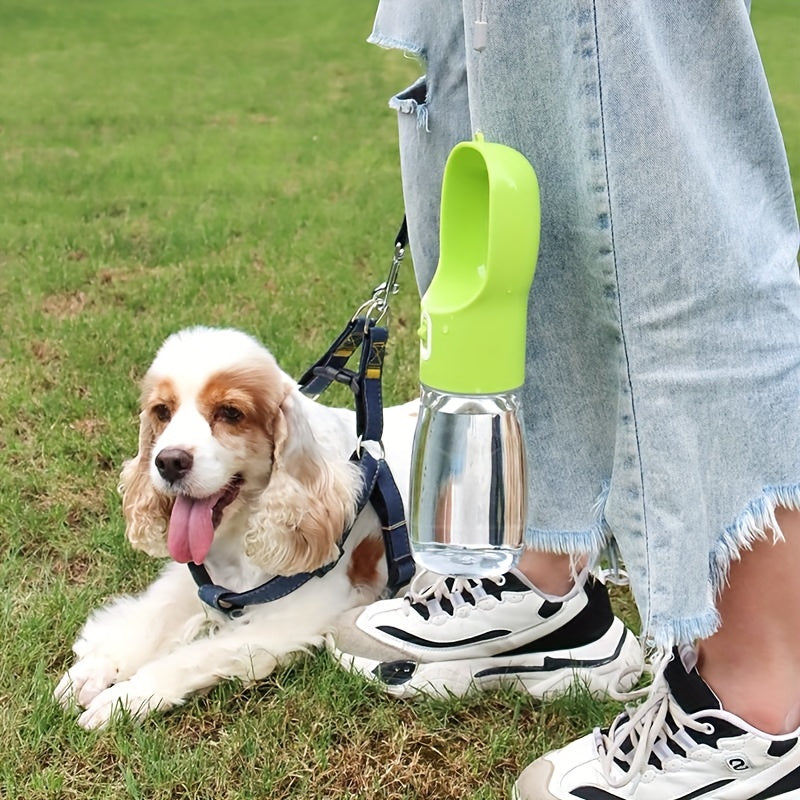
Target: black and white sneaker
[
  {"x": 449, "y": 635},
  {"x": 678, "y": 744}
]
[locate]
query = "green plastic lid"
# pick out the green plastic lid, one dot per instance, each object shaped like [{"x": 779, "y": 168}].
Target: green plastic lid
[{"x": 474, "y": 312}]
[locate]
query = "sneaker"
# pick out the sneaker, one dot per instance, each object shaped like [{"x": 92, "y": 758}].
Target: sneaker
[
  {"x": 456, "y": 634},
  {"x": 678, "y": 744}
]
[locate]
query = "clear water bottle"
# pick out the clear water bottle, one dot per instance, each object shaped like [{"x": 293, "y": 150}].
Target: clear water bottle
[
  {"x": 467, "y": 507},
  {"x": 468, "y": 492}
]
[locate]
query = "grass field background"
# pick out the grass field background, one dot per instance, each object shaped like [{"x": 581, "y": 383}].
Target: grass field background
[{"x": 165, "y": 164}]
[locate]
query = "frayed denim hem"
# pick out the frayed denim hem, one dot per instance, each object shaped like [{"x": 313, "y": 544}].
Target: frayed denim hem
[
  {"x": 408, "y": 101},
  {"x": 412, "y": 101},
  {"x": 665, "y": 633},
  {"x": 390, "y": 43},
  {"x": 750, "y": 526},
  {"x": 755, "y": 523},
  {"x": 591, "y": 542}
]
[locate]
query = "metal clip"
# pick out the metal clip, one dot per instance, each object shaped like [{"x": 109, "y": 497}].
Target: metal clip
[{"x": 377, "y": 307}]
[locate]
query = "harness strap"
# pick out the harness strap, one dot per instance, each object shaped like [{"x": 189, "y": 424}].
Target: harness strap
[
  {"x": 331, "y": 366},
  {"x": 365, "y": 383},
  {"x": 389, "y": 507},
  {"x": 401, "y": 240},
  {"x": 369, "y": 395},
  {"x": 379, "y": 488},
  {"x": 233, "y": 603}
]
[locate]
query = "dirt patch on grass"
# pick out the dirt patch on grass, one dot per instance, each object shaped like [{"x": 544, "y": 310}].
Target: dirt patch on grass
[
  {"x": 90, "y": 426},
  {"x": 76, "y": 570},
  {"x": 46, "y": 351},
  {"x": 65, "y": 305},
  {"x": 77, "y": 505}
]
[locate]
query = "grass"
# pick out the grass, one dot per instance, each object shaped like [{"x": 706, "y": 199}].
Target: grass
[{"x": 165, "y": 164}]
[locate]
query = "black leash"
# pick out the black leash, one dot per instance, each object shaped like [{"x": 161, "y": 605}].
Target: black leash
[{"x": 378, "y": 486}]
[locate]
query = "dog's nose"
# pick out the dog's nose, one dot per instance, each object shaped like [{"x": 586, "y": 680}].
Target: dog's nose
[{"x": 173, "y": 463}]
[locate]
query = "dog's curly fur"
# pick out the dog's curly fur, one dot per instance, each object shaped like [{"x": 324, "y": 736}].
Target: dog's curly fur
[{"x": 241, "y": 430}]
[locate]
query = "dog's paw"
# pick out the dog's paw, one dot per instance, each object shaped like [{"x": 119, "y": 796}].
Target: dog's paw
[
  {"x": 85, "y": 681},
  {"x": 133, "y": 697}
]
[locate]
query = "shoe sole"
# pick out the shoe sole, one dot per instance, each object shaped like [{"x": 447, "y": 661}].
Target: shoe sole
[
  {"x": 604, "y": 666},
  {"x": 790, "y": 795},
  {"x": 778, "y": 782}
]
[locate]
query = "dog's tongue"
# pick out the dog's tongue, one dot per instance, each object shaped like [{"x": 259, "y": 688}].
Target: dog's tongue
[{"x": 191, "y": 529}]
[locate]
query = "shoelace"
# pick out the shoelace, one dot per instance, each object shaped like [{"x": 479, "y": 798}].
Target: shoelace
[
  {"x": 645, "y": 728},
  {"x": 429, "y": 590}
]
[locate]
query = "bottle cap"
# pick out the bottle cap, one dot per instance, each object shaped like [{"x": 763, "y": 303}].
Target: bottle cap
[{"x": 474, "y": 313}]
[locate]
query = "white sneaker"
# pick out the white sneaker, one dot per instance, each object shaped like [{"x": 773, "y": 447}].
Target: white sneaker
[
  {"x": 449, "y": 635},
  {"x": 678, "y": 744}
]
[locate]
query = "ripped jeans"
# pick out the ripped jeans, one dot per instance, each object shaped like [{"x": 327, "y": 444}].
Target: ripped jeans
[{"x": 662, "y": 396}]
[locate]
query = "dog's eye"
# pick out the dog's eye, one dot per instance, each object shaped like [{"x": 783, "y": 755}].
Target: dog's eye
[
  {"x": 229, "y": 414},
  {"x": 162, "y": 412}
]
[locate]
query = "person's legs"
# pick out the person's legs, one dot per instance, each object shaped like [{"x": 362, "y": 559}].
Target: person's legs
[
  {"x": 551, "y": 573},
  {"x": 722, "y": 720},
  {"x": 752, "y": 662}
]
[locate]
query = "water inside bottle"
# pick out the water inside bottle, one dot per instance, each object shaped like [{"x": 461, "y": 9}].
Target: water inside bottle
[
  {"x": 467, "y": 507},
  {"x": 465, "y": 562}
]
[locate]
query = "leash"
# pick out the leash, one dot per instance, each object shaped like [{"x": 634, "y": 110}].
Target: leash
[{"x": 378, "y": 485}]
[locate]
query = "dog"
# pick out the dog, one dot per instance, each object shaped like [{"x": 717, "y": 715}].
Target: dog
[{"x": 237, "y": 471}]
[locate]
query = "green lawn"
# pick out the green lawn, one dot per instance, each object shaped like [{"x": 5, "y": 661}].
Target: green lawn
[{"x": 171, "y": 163}]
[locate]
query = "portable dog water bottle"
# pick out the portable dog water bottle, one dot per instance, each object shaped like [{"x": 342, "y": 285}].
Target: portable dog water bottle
[{"x": 467, "y": 508}]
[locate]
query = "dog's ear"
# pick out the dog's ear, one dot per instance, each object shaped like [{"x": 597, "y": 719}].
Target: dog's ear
[
  {"x": 309, "y": 500},
  {"x": 146, "y": 512}
]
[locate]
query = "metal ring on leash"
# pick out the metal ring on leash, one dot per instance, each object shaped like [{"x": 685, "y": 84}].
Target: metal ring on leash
[{"x": 378, "y": 442}]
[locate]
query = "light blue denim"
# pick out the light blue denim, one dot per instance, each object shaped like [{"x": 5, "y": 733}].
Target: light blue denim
[{"x": 662, "y": 397}]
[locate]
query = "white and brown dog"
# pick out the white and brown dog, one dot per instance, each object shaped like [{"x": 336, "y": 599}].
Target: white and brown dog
[{"x": 240, "y": 472}]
